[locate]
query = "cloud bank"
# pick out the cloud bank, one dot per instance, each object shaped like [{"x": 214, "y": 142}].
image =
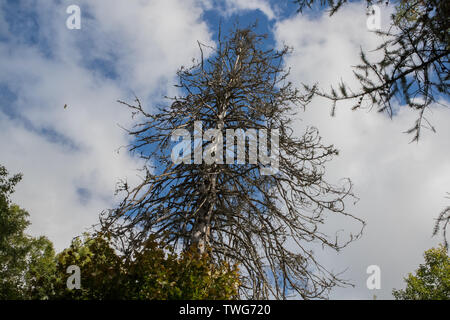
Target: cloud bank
[
  {"x": 69, "y": 155},
  {"x": 401, "y": 186}
]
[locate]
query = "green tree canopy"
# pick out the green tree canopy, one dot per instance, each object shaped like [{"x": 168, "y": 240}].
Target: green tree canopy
[
  {"x": 29, "y": 268},
  {"x": 22, "y": 258},
  {"x": 431, "y": 280},
  {"x": 151, "y": 273}
]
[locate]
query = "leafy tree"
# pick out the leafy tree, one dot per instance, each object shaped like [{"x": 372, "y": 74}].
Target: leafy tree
[
  {"x": 151, "y": 273},
  {"x": 29, "y": 268},
  {"x": 100, "y": 271},
  {"x": 22, "y": 258},
  {"x": 431, "y": 281},
  {"x": 265, "y": 223}
]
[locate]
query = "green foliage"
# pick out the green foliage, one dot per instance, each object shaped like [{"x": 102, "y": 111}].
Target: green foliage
[
  {"x": 22, "y": 257},
  {"x": 151, "y": 273},
  {"x": 405, "y": 13},
  {"x": 100, "y": 271},
  {"x": 432, "y": 279},
  {"x": 189, "y": 275},
  {"x": 29, "y": 268}
]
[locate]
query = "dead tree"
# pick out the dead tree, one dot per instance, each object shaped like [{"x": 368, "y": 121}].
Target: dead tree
[{"x": 266, "y": 223}]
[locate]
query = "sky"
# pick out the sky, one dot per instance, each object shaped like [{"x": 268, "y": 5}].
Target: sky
[{"x": 72, "y": 158}]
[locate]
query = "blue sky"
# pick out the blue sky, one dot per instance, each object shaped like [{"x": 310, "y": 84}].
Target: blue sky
[{"x": 71, "y": 158}]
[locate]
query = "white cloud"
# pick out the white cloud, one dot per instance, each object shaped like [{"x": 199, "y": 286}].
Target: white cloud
[
  {"x": 68, "y": 156},
  {"x": 401, "y": 186},
  {"x": 233, "y": 6}
]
